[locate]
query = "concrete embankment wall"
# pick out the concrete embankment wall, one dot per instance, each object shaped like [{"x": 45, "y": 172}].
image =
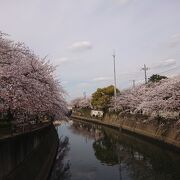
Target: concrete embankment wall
[
  {"x": 28, "y": 156},
  {"x": 166, "y": 135}
]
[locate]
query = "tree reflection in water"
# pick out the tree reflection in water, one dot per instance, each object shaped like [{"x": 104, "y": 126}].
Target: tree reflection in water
[
  {"x": 87, "y": 130},
  {"x": 61, "y": 169},
  {"x": 135, "y": 158},
  {"x": 105, "y": 150}
]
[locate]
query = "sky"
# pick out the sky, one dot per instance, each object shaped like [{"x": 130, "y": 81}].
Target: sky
[{"x": 80, "y": 36}]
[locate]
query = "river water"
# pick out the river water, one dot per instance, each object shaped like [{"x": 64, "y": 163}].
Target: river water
[{"x": 94, "y": 152}]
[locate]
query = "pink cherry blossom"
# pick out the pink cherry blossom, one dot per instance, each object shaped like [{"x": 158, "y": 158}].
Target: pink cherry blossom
[
  {"x": 27, "y": 85},
  {"x": 81, "y": 103},
  {"x": 154, "y": 99}
]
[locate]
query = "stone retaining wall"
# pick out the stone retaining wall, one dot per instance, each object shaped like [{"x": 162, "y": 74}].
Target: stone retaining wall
[{"x": 29, "y": 156}]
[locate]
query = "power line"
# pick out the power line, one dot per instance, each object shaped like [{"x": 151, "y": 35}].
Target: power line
[
  {"x": 169, "y": 70},
  {"x": 140, "y": 78},
  {"x": 84, "y": 95},
  {"x": 134, "y": 84}
]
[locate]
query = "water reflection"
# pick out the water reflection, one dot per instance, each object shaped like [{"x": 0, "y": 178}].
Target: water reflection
[
  {"x": 99, "y": 152},
  {"x": 105, "y": 150},
  {"x": 61, "y": 169}
]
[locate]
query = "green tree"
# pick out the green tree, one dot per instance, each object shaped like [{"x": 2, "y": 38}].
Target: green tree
[
  {"x": 156, "y": 78},
  {"x": 101, "y": 98}
]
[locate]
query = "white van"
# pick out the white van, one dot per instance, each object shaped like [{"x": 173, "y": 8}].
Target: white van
[{"x": 96, "y": 113}]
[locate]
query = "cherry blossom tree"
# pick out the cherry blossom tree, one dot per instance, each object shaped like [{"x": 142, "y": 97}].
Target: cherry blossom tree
[
  {"x": 155, "y": 99},
  {"x": 27, "y": 85},
  {"x": 81, "y": 103}
]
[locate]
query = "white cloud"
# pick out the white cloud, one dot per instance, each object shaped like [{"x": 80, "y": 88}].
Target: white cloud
[
  {"x": 97, "y": 79},
  {"x": 164, "y": 63},
  {"x": 81, "y": 46}
]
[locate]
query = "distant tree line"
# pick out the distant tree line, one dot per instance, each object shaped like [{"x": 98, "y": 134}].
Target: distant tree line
[{"x": 160, "y": 97}]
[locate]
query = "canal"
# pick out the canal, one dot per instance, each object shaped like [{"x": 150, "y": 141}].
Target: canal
[{"x": 94, "y": 152}]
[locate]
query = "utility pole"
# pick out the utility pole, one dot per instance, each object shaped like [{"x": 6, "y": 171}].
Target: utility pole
[
  {"x": 84, "y": 95},
  {"x": 114, "y": 63},
  {"x": 145, "y": 68},
  {"x": 134, "y": 83}
]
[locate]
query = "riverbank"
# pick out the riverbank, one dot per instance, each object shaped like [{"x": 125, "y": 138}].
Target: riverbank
[
  {"x": 29, "y": 155},
  {"x": 167, "y": 136},
  {"x": 9, "y": 134}
]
